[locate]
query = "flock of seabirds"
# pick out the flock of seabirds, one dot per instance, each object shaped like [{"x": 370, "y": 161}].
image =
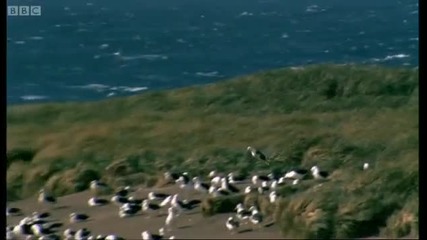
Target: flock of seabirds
[{"x": 39, "y": 226}]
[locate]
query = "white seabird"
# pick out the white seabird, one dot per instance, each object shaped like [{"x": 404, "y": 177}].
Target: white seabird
[
  {"x": 216, "y": 181},
  {"x": 235, "y": 179},
  {"x": 127, "y": 210},
  {"x": 264, "y": 188},
  {"x": 242, "y": 213},
  {"x": 249, "y": 189},
  {"x": 149, "y": 207},
  {"x": 112, "y": 237},
  {"x": 166, "y": 201},
  {"x": 82, "y": 233},
  {"x": 212, "y": 174},
  {"x": 365, "y": 166},
  {"x": 298, "y": 173},
  {"x": 317, "y": 174},
  {"x": 227, "y": 186},
  {"x": 171, "y": 177},
  {"x": 69, "y": 233},
  {"x": 263, "y": 178},
  {"x": 119, "y": 200},
  {"x": 43, "y": 215},
  {"x": 257, "y": 154},
  {"x": 276, "y": 183},
  {"x": 78, "y": 217},
  {"x": 170, "y": 219},
  {"x": 232, "y": 224},
  {"x": 45, "y": 198},
  {"x": 273, "y": 196},
  {"x": 256, "y": 217},
  {"x": 97, "y": 185},
  {"x": 157, "y": 196},
  {"x": 200, "y": 186},
  {"x": 146, "y": 235},
  {"x": 13, "y": 211},
  {"x": 123, "y": 191},
  {"x": 96, "y": 202}
]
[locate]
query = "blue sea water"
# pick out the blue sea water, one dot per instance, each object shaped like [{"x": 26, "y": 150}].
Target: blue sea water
[{"x": 95, "y": 49}]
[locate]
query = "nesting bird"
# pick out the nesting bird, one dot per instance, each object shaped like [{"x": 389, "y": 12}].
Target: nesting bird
[
  {"x": 146, "y": 235},
  {"x": 123, "y": 191},
  {"x": 171, "y": 177},
  {"x": 128, "y": 209},
  {"x": 227, "y": 186},
  {"x": 12, "y": 211},
  {"x": 149, "y": 207},
  {"x": 45, "y": 198},
  {"x": 317, "y": 174},
  {"x": 256, "y": 178},
  {"x": 272, "y": 196},
  {"x": 241, "y": 212},
  {"x": 69, "y": 233},
  {"x": 264, "y": 188},
  {"x": 96, "y": 202},
  {"x": 232, "y": 224},
  {"x": 82, "y": 234},
  {"x": 248, "y": 189},
  {"x": 365, "y": 166},
  {"x": 256, "y": 217},
  {"x": 257, "y": 154},
  {"x": 157, "y": 196},
  {"x": 298, "y": 173},
  {"x": 96, "y": 186},
  {"x": 235, "y": 179},
  {"x": 78, "y": 217},
  {"x": 119, "y": 200},
  {"x": 200, "y": 186}
]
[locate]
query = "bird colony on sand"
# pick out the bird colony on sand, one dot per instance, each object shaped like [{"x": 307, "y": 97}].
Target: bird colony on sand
[{"x": 40, "y": 226}]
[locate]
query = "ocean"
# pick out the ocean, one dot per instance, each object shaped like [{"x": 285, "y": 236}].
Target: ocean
[{"x": 96, "y": 49}]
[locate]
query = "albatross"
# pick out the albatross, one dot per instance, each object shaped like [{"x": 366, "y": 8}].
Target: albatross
[{"x": 257, "y": 154}]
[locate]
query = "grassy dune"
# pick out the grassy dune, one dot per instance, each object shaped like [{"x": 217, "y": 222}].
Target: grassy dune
[{"x": 336, "y": 117}]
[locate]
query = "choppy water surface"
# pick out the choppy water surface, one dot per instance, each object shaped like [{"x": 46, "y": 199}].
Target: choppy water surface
[{"x": 87, "y": 50}]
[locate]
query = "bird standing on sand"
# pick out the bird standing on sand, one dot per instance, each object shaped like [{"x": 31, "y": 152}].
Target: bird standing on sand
[
  {"x": 146, "y": 235},
  {"x": 170, "y": 219},
  {"x": 232, "y": 224},
  {"x": 257, "y": 154},
  {"x": 45, "y": 198}
]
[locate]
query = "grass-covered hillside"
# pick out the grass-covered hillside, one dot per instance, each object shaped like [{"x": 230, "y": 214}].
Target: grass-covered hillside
[{"x": 336, "y": 117}]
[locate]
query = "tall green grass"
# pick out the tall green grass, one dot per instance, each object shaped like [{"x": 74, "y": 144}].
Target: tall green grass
[{"x": 336, "y": 117}]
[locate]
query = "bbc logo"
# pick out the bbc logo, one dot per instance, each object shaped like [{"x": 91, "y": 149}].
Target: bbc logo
[{"x": 24, "y": 10}]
